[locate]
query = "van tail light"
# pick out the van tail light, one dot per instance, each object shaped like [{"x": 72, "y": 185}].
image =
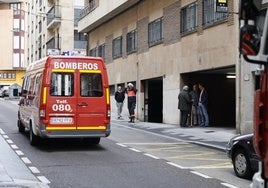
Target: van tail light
[
  {"x": 42, "y": 110},
  {"x": 108, "y": 108}
]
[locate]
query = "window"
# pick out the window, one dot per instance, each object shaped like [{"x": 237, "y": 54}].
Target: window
[
  {"x": 188, "y": 18},
  {"x": 155, "y": 33},
  {"x": 101, "y": 51},
  {"x": 131, "y": 41},
  {"x": 16, "y": 8},
  {"x": 209, "y": 15},
  {"x": 93, "y": 52},
  {"x": 62, "y": 84},
  {"x": 91, "y": 85},
  {"x": 117, "y": 47}
]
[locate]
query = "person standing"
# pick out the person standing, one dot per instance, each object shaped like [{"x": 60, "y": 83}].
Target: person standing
[
  {"x": 184, "y": 105},
  {"x": 119, "y": 98},
  {"x": 131, "y": 99},
  {"x": 203, "y": 102},
  {"x": 195, "y": 112}
]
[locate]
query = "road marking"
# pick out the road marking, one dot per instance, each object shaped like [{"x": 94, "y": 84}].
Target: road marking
[
  {"x": 34, "y": 170},
  {"x": 26, "y": 160},
  {"x": 152, "y": 156},
  {"x": 176, "y": 165},
  {"x": 192, "y": 155},
  {"x": 5, "y": 136},
  {"x": 200, "y": 174},
  {"x": 133, "y": 149},
  {"x": 155, "y": 143},
  {"x": 14, "y": 146},
  {"x": 43, "y": 179},
  {"x": 19, "y": 152},
  {"x": 172, "y": 148},
  {"x": 1, "y": 131},
  {"x": 9, "y": 141},
  {"x": 212, "y": 166},
  {"x": 123, "y": 145},
  {"x": 229, "y": 185}
]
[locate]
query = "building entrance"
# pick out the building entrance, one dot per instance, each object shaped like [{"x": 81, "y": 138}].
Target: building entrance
[
  {"x": 220, "y": 85},
  {"x": 154, "y": 100}
]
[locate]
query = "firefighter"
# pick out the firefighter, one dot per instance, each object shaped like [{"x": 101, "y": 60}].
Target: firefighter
[{"x": 131, "y": 100}]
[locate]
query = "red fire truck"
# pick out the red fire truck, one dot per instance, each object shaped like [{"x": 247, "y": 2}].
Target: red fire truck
[
  {"x": 253, "y": 17},
  {"x": 65, "y": 97}
]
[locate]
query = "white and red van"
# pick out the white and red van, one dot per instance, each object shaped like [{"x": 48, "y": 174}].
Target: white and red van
[{"x": 65, "y": 97}]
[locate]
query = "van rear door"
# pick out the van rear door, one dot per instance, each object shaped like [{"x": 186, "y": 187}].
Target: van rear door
[
  {"x": 62, "y": 101},
  {"x": 91, "y": 101}
]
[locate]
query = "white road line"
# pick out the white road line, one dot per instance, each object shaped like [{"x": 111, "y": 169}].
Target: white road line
[
  {"x": 156, "y": 143},
  {"x": 152, "y": 156},
  {"x": 19, "y": 152},
  {"x": 34, "y": 170},
  {"x": 43, "y": 179},
  {"x": 5, "y": 136},
  {"x": 26, "y": 160},
  {"x": 9, "y": 141},
  {"x": 1, "y": 131},
  {"x": 200, "y": 174},
  {"x": 229, "y": 185},
  {"x": 121, "y": 145},
  {"x": 14, "y": 146},
  {"x": 176, "y": 165},
  {"x": 133, "y": 149}
]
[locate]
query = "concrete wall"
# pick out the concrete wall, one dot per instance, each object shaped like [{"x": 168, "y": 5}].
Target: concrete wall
[{"x": 207, "y": 48}]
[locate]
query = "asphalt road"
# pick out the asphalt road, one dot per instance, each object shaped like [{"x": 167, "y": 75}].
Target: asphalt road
[{"x": 128, "y": 158}]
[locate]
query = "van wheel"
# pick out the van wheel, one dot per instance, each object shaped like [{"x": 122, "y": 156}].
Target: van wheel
[
  {"x": 34, "y": 140},
  {"x": 21, "y": 127}
]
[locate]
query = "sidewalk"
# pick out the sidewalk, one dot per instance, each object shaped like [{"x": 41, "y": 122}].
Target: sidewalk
[
  {"x": 215, "y": 137},
  {"x": 14, "y": 173}
]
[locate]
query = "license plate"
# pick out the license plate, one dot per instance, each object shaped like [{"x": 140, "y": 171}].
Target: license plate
[{"x": 61, "y": 120}]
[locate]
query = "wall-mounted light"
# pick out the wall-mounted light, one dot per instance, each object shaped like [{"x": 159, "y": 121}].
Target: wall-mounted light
[{"x": 230, "y": 76}]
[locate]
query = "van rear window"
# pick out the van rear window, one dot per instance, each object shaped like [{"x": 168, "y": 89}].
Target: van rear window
[
  {"x": 62, "y": 84},
  {"x": 91, "y": 85}
]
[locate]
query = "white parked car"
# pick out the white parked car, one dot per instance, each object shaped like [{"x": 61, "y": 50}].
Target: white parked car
[{"x": 4, "y": 91}]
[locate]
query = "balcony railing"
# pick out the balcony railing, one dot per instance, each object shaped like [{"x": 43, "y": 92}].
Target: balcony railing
[
  {"x": 87, "y": 10},
  {"x": 54, "y": 43},
  {"x": 53, "y": 17}
]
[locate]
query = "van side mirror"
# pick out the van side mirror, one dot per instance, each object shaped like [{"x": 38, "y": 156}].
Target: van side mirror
[{"x": 249, "y": 40}]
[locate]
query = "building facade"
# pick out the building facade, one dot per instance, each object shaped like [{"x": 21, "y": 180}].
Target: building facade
[
  {"x": 13, "y": 42},
  {"x": 52, "y": 28},
  {"x": 162, "y": 45}
]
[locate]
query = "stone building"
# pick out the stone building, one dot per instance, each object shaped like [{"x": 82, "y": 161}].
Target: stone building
[{"x": 159, "y": 46}]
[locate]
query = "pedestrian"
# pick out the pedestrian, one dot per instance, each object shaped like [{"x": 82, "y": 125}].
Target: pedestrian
[
  {"x": 119, "y": 98},
  {"x": 131, "y": 100},
  {"x": 195, "y": 111},
  {"x": 203, "y": 102},
  {"x": 184, "y": 105}
]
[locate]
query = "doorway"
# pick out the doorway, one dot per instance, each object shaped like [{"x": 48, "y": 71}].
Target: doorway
[{"x": 155, "y": 100}]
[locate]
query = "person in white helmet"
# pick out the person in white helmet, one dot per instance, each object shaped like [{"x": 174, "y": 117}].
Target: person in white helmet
[{"x": 131, "y": 99}]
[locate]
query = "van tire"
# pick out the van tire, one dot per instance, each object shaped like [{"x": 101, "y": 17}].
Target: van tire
[
  {"x": 21, "y": 127},
  {"x": 34, "y": 140}
]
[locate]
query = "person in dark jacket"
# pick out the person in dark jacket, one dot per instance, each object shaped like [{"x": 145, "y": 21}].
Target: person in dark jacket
[
  {"x": 203, "y": 102},
  {"x": 184, "y": 105},
  {"x": 131, "y": 99},
  {"x": 195, "y": 112},
  {"x": 119, "y": 98}
]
